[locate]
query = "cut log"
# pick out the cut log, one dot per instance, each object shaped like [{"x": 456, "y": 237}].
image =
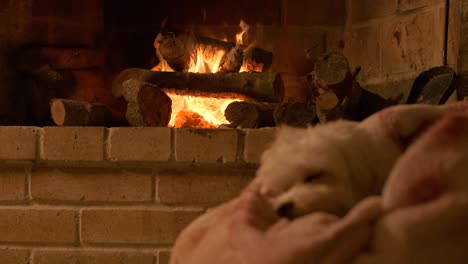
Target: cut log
[
  {"x": 250, "y": 114},
  {"x": 266, "y": 86},
  {"x": 147, "y": 104},
  {"x": 76, "y": 113},
  {"x": 336, "y": 90},
  {"x": 232, "y": 61},
  {"x": 297, "y": 114},
  {"x": 180, "y": 51},
  {"x": 155, "y": 106}
]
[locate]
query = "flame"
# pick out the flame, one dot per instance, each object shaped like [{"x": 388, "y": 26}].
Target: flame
[
  {"x": 198, "y": 111},
  {"x": 206, "y": 63},
  {"x": 240, "y": 37},
  {"x": 202, "y": 111}
]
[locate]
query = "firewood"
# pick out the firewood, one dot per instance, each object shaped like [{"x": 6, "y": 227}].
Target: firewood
[
  {"x": 336, "y": 90},
  {"x": 180, "y": 50},
  {"x": 297, "y": 114},
  {"x": 45, "y": 84},
  {"x": 266, "y": 86},
  {"x": 147, "y": 104},
  {"x": 155, "y": 106},
  {"x": 250, "y": 114},
  {"x": 232, "y": 61},
  {"x": 76, "y": 113}
]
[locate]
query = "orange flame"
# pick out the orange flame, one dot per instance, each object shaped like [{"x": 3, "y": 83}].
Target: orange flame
[
  {"x": 201, "y": 111},
  {"x": 240, "y": 37},
  {"x": 206, "y": 64}
]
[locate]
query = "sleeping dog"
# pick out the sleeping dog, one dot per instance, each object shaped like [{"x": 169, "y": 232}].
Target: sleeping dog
[{"x": 333, "y": 166}]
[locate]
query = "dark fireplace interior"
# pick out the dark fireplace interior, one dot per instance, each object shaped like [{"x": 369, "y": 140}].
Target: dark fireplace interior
[{"x": 390, "y": 42}]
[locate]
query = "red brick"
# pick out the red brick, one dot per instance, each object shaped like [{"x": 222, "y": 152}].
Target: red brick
[
  {"x": 256, "y": 142},
  {"x": 404, "y": 5},
  {"x": 73, "y": 144},
  {"x": 86, "y": 185},
  {"x": 18, "y": 143},
  {"x": 139, "y": 144},
  {"x": 364, "y": 10},
  {"x": 296, "y": 48},
  {"x": 14, "y": 256},
  {"x": 313, "y": 13},
  {"x": 210, "y": 12},
  {"x": 29, "y": 225},
  {"x": 408, "y": 44},
  {"x": 206, "y": 189},
  {"x": 164, "y": 257},
  {"x": 205, "y": 145},
  {"x": 73, "y": 58},
  {"x": 67, "y": 34},
  {"x": 362, "y": 48},
  {"x": 91, "y": 257},
  {"x": 93, "y": 85},
  {"x": 29, "y": 32},
  {"x": 454, "y": 33},
  {"x": 139, "y": 226},
  {"x": 439, "y": 35},
  {"x": 12, "y": 184}
]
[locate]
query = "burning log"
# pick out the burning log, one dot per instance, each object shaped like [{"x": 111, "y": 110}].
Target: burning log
[
  {"x": 297, "y": 114},
  {"x": 266, "y": 86},
  {"x": 147, "y": 105},
  {"x": 181, "y": 50},
  {"x": 76, "y": 113},
  {"x": 250, "y": 114},
  {"x": 336, "y": 89}
]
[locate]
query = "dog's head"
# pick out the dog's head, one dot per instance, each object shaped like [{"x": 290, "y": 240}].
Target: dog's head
[{"x": 315, "y": 169}]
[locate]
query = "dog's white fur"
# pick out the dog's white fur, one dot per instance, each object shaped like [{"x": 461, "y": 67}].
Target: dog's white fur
[{"x": 331, "y": 167}]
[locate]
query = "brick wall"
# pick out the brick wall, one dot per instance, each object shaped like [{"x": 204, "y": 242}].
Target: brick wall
[
  {"x": 459, "y": 9},
  {"x": 394, "y": 41},
  {"x": 119, "y": 195}
]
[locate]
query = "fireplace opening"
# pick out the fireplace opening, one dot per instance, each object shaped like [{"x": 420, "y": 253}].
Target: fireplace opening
[{"x": 237, "y": 65}]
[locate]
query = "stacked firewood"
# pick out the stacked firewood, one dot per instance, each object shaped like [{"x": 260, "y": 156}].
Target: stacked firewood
[{"x": 334, "y": 94}]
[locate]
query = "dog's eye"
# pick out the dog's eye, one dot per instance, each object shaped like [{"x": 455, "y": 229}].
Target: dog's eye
[{"x": 313, "y": 176}]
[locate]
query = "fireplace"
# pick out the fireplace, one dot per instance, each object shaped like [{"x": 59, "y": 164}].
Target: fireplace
[{"x": 118, "y": 194}]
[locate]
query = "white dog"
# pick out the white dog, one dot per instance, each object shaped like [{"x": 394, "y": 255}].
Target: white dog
[{"x": 333, "y": 166}]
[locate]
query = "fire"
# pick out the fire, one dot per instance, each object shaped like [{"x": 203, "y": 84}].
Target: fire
[
  {"x": 206, "y": 64},
  {"x": 240, "y": 37},
  {"x": 198, "y": 111},
  {"x": 201, "y": 111}
]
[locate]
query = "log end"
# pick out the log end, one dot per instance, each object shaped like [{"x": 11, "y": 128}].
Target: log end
[
  {"x": 331, "y": 69},
  {"x": 118, "y": 89},
  {"x": 58, "y": 112}
]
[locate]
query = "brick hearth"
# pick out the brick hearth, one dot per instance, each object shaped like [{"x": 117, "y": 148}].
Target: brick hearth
[{"x": 114, "y": 194}]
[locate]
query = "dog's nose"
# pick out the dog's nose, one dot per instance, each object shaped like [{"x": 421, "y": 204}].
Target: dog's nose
[{"x": 285, "y": 210}]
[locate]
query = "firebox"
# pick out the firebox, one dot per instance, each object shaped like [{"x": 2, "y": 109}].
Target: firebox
[{"x": 106, "y": 155}]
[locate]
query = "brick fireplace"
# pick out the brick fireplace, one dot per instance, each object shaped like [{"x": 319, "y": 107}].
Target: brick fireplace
[{"x": 122, "y": 194}]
